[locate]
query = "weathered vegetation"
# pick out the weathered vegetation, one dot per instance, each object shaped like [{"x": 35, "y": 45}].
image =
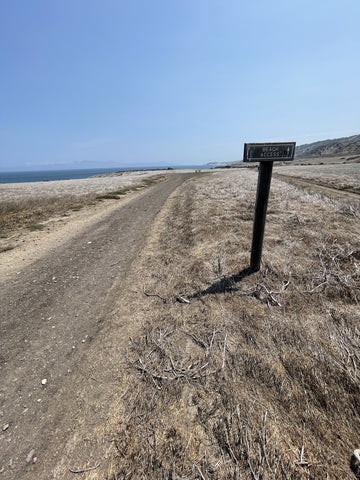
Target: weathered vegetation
[
  {"x": 340, "y": 177},
  {"x": 23, "y": 210},
  {"x": 236, "y": 375}
]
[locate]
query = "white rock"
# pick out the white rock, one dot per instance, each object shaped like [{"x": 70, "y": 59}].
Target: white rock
[
  {"x": 44, "y": 381},
  {"x": 355, "y": 463},
  {"x": 30, "y": 456}
]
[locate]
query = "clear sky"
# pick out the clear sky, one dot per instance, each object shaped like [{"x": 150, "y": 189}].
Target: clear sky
[{"x": 115, "y": 83}]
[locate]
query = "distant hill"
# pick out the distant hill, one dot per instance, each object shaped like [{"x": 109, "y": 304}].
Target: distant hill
[{"x": 337, "y": 146}]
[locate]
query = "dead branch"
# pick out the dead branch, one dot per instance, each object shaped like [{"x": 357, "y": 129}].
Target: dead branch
[
  {"x": 223, "y": 353},
  {"x": 270, "y": 294},
  {"x": 154, "y": 295},
  {"x": 83, "y": 470},
  {"x": 213, "y": 337},
  {"x": 312, "y": 290},
  {"x": 143, "y": 369},
  {"x": 200, "y": 472},
  {"x": 301, "y": 462},
  {"x": 198, "y": 340},
  {"x": 181, "y": 299},
  {"x": 264, "y": 441}
]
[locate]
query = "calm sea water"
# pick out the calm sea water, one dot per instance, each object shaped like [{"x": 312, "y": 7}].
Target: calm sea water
[{"x": 48, "y": 175}]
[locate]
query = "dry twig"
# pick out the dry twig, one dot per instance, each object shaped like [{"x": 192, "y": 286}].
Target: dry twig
[
  {"x": 223, "y": 353},
  {"x": 200, "y": 472},
  {"x": 83, "y": 470},
  {"x": 154, "y": 295}
]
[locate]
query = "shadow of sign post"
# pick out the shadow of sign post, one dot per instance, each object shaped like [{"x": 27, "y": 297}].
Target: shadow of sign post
[{"x": 266, "y": 154}]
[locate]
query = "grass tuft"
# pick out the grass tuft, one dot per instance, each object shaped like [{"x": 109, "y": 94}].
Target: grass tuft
[
  {"x": 33, "y": 227},
  {"x": 76, "y": 208},
  {"x": 108, "y": 196}
]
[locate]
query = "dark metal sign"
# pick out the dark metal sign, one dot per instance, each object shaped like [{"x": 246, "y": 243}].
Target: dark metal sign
[
  {"x": 269, "y": 152},
  {"x": 266, "y": 154}
]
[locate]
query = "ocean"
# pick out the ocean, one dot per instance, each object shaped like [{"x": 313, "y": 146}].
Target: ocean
[{"x": 49, "y": 175}]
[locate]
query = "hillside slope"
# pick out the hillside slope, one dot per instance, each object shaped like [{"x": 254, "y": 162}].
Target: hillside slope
[{"x": 337, "y": 146}]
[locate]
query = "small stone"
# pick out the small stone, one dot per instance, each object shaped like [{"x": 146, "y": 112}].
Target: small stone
[
  {"x": 34, "y": 459},
  {"x": 44, "y": 381},
  {"x": 30, "y": 456},
  {"x": 5, "y": 427}
]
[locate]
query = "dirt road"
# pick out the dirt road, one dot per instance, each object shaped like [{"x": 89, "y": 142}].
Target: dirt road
[
  {"x": 52, "y": 313},
  {"x": 318, "y": 187}
]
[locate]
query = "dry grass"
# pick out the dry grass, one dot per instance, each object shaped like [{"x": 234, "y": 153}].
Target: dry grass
[
  {"x": 27, "y": 204},
  {"x": 15, "y": 214},
  {"x": 339, "y": 176},
  {"x": 258, "y": 377}
]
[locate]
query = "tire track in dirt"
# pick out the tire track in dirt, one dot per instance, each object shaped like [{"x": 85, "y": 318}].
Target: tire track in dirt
[
  {"x": 51, "y": 314},
  {"x": 331, "y": 192}
]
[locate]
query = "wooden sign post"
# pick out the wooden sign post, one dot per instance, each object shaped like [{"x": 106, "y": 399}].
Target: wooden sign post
[{"x": 265, "y": 153}]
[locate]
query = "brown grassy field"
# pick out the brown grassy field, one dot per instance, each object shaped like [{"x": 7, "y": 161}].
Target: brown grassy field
[
  {"x": 27, "y": 204},
  {"x": 342, "y": 177},
  {"x": 235, "y": 375}
]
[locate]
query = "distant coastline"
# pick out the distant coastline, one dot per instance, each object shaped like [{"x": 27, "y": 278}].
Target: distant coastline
[{"x": 77, "y": 174}]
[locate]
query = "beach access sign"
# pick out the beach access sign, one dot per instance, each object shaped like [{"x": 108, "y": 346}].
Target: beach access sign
[
  {"x": 269, "y": 152},
  {"x": 266, "y": 154}
]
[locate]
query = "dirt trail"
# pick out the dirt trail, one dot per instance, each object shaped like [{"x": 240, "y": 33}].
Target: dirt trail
[
  {"x": 53, "y": 314},
  {"x": 319, "y": 187}
]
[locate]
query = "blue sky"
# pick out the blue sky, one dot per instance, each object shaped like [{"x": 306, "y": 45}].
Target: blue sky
[{"x": 112, "y": 83}]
